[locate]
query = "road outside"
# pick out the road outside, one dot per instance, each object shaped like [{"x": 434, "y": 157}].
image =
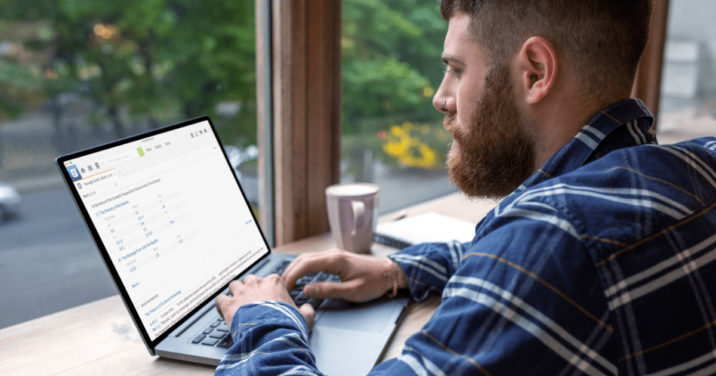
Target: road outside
[{"x": 48, "y": 261}]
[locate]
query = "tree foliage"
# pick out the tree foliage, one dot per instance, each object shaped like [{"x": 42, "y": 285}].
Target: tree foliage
[
  {"x": 391, "y": 61},
  {"x": 154, "y": 61},
  {"x": 391, "y": 69}
]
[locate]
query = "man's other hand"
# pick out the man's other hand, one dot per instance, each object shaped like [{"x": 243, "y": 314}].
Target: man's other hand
[
  {"x": 254, "y": 289},
  {"x": 363, "y": 277}
]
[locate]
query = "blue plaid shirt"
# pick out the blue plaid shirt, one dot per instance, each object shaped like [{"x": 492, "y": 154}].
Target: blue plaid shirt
[{"x": 601, "y": 263}]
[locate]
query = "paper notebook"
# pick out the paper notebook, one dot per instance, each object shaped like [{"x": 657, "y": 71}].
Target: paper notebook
[{"x": 423, "y": 228}]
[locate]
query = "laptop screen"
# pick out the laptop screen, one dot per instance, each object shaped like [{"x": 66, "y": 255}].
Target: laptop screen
[{"x": 171, "y": 217}]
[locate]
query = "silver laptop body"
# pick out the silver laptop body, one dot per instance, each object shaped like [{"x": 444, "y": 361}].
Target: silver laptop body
[{"x": 174, "y": 228}]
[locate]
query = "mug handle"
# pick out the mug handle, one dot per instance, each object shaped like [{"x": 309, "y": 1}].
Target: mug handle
[{"x": 358, "y": 215}]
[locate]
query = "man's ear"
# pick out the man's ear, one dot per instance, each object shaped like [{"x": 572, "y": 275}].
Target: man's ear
[{"x": 537, "y": 64}]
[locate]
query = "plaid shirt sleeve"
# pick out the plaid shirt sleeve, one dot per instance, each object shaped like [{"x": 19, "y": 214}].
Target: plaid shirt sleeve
[
  {"x": 428, "y": 266},
  {"x": 270, "y": 338}
]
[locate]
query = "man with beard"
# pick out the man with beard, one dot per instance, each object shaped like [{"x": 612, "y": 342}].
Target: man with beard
[{"x": 599, "y": 260}]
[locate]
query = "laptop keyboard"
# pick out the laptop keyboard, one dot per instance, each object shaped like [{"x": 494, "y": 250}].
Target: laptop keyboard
[
  {"x": 217, "y": 333},
  {"x": 297, "y": 293}
]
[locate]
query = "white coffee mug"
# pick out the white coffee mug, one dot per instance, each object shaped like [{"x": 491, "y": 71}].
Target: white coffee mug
[{"x": 352, "y": 214}]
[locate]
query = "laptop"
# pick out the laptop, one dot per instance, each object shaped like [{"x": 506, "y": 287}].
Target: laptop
[{"x": 174, "y": 228}]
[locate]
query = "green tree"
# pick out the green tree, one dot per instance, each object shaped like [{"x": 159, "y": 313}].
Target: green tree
[
  {"x": 391, "y": 54},
  {"x": 152, "y": 61},
  {"x": 391, "y": 69}
]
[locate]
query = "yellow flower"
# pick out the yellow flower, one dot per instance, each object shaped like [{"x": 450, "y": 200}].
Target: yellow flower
[{"x": 409, "y": 150}]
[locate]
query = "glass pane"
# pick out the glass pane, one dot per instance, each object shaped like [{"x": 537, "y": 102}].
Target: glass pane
[
  {"x": 392, "y": 135},
  {"x": 687, "y": 107},
  {"x": 79, "y": 73}
]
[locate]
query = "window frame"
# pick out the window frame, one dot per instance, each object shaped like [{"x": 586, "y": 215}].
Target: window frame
[{"x": 304, "y": 117}]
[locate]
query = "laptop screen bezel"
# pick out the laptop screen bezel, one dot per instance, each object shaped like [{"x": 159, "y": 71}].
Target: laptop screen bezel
[{"x": 128, "y": 303}]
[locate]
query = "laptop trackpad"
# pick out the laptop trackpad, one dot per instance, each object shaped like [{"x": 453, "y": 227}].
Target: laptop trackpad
[
  {"x": 345, "y": 352},
  {"x": 372, "y": 317}
]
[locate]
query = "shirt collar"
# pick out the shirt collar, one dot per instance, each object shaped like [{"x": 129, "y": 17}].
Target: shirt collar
[{"x": 623, "y": 124}]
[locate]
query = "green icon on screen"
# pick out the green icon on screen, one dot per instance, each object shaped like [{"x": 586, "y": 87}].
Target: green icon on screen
[{"x": 140, "y": 151}]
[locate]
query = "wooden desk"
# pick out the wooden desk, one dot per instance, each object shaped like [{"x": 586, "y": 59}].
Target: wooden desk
[{"x": 99, "y": 338}]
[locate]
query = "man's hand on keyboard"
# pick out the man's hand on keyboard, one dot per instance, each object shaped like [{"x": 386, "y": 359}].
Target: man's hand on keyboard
[
  {"x": 363, "y": 277},
  {"x": 254, "y": 289}
]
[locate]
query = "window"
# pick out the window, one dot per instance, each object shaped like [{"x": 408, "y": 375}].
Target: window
[
  {"x": 391, "y": 68},
  {"x": 687, "y": 107},
  {"x": 79, "y": 73}
]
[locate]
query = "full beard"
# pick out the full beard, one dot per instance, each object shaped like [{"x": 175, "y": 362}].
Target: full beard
[{"x": 496, "y": 154}]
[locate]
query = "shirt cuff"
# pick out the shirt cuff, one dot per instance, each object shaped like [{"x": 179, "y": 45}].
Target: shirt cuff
[
  {"x": 268, "y": 315},
  {"x": 423, "y": 274}
]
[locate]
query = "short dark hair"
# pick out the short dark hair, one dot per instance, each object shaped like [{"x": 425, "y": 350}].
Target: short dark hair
[{"x": 602, "y": 39}]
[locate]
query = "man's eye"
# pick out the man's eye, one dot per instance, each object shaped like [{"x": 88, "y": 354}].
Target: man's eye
[{"x": 452, "y": 70}]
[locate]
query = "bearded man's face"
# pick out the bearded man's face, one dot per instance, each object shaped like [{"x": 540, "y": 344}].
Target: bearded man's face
[
  {"x": 493, "y": 154},
  {"x": 492, "y": 151}
]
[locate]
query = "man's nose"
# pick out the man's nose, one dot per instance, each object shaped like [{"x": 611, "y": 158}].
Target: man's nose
[
  {"x": 442, "y": 101},
  {"x": 440, "y": 104}
]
